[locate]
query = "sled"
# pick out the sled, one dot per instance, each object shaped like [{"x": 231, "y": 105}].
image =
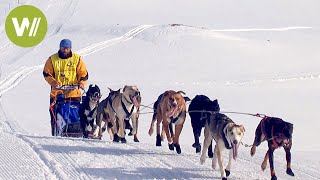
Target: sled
[{"x": 66, "y": 114}]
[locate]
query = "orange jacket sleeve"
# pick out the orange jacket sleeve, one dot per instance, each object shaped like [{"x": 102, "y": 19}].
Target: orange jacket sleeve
[
  {"x": 82, "y": 73},
  {"x": 48, "y": 72}
]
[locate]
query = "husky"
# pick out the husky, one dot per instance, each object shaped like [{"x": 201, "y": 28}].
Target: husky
[
  {"x": 114, "y": 110},
  {"x": 88, "y": 110},
  {"x": 199, "y": 119},
  {"x": 227, "y": 135}
]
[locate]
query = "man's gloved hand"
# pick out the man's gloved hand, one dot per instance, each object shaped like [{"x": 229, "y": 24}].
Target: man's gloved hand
[
  {"x": 55, "y": 84},
  {"x": 81, "y": 86}
]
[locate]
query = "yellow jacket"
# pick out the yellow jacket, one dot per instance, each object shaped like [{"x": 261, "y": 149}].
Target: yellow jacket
[{"x": 70, "y": 71}]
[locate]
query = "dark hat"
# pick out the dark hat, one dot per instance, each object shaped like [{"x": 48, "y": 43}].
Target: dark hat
[{"x": 65, "y": 43}]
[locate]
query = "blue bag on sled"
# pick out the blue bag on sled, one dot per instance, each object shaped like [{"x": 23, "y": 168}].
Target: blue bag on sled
[{"x": 68, "y": 119}]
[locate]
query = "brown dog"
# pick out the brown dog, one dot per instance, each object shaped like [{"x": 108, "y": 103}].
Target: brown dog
[
  {"x": 171, "y": 109},
  {"x": 278, "y": 133},
  {"x": 119, "y": 107}
]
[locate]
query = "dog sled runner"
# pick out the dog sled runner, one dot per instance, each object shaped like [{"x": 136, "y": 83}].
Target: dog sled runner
[{"x": 66, "y": 114}]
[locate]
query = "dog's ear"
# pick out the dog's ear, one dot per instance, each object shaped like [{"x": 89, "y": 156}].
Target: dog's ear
[
  {"x": 124, "y": 89},
  {"x": 90, "y": 86},
  {"x": 215, "y": 101},
  {"x": 230, "y": 126},
  {"x": 290, "y": 128},
  {"x": 186, "y": 98},
  {"x": 181, "y": 92},
  {"x": 242, "y": 129},
  {"x": 98, "y": 89}
]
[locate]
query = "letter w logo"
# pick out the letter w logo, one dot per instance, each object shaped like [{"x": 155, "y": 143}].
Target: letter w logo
[{"x": 25, "y": 25}]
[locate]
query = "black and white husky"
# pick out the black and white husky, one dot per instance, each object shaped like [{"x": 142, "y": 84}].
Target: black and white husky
[{"x": 88, "y": 110}]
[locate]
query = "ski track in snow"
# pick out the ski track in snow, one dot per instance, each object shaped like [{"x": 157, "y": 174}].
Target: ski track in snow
[
  {"x": 51, "y": 160},
  {"x": 107, "y": 160},
  {"x": 28, "y": 167},
  {"x": 277, "y": 80},
  {"x": 17, "y": 76},
  {"x": 104, "y": 44},
  {"x": 57, "y": 10},
  {"x": 149, "y": 162},
  {"x": 262, "y": 29}
]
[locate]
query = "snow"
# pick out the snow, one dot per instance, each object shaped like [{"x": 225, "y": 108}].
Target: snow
[{"x": 253, "y": 56}]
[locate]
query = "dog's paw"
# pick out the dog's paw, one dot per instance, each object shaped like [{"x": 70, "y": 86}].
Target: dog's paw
[
  {"x": 130, "y": 133},
  {"x": 202, "y": 159},
  {"x": 264, "y": 165},
  {"x": 123, "y": 140},
  {"x": 136, "y": 139},
  {"x": 178, "y": 148},
  {"x": 214, "y": 165},
  {"x": 253, "y": 150},
  {"x": 115, "y": 138},
  {"x": 195, "y": 145},
  {"x": 127, "y": 125},
  {"x": 96, "y": 132},
  {"x": 290, "y": 172},
  {"x": 85, "y": 134},
  {"x": 150, "y": 132},
  {"x": 274, "y": 177},
  {"x": 171, "y": 146},
  {"x": 198, "y": 149},
  {"x": 227, "y": 172},
  {"x": 158, "y": 140}
]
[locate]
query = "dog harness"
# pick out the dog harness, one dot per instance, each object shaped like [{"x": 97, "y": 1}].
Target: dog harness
[
  {"x": 223, "y": 122},
  {"x": 275, "y": 144},
  {"x": 110, "y": 102},
  {"x": 174, "y": 120},
  {"x": 226, "y": 143},
  {"x": 125, "y": 109},
  {"x": 93, "y": 110}
]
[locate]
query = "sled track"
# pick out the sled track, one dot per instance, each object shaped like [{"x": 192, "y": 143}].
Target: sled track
[
  {"x": 276, "y": 80},
  {"x": 104, "y": 44},
  {"x": 57, "y": 11},
  {"x": 55, "y": 161},
  {"x": 16, "y": 77}
]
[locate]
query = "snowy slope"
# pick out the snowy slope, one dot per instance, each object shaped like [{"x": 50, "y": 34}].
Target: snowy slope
[{"x": 251, "y": 56}]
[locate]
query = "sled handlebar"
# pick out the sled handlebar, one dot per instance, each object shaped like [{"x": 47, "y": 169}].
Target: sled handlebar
[{"x": 68, "y": 87}]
